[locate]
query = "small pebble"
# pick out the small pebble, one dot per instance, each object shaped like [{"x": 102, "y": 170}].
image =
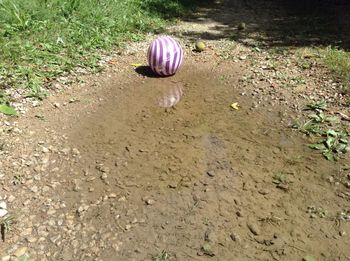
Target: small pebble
[
  {"x": 34, "y": 189},
  {"x": 264, "y": 191},
  {"x": 11, "y": 198},
  {"x": 283, "y": 187},
  {"x": 112, "y": 195},
  {"x": 150, "y": 202},
  {"x": 211, "y": 173},
  {"x": 342, "y": 233},
  {"x": 239, "y": 214},
  {"x": 20, "y": 251},
  {"x": 127, "y": 227},
  {"x": 121, "y": 199},
  {"x": 330, "y": 179},
  {"x": 253, "y": 227},
  {"x": 235, "y": 237},
  {"x": 75, "y": 151}
]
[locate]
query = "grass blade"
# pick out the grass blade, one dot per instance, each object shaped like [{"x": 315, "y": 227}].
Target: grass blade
[{"x": 7, "y": 110}]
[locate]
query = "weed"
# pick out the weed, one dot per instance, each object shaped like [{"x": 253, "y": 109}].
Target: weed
[
  {"x": 206, "y": 221},
  {"x": 320, "y": 117},
  {"x": 307, "y": 127},
  {"x": 17, "y": 179},
  {"x": 334, "y": 141},
  {"x": 222, "y": 77},
  {"x": 280, "y": 178},
  {"x": 335, "y": 144},
  {"x": 318, "y": 105},
  {"x": 314, "y": 211},
  {"x": 164, "y": 256},
  {"x": 22, "y": 258},
  {"x": 343, "y": 215},
  {"x": 5, "y": 225},
  {"x": 206, "y": 249}
]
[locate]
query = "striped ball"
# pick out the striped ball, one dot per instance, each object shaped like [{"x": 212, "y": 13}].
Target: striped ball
[{"x": 165, "y": 56}]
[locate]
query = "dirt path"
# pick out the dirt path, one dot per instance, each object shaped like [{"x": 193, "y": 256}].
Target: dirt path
[{"x": 101, "y": 172}]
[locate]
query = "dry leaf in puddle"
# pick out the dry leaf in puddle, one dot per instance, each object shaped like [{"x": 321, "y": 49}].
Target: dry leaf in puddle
[
  {"x": 136, "y": 65},
  {"x": 235, "y": 106}
]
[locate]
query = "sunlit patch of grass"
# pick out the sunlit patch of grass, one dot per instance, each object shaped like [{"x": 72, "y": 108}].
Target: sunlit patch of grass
[
  {"x": 43, "y": 39},
  {"x": 338, "y": 62}
]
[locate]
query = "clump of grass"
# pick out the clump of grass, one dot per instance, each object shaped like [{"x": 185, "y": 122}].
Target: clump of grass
[
  {"x": 164, "y": 256},
  {"x": 5, "y": 225},
  {"x": 339, "y": 63},
  {"x": 333, "y": 145},
  {"x": 42, "y": 39},
  {"x": 280, "y": 178},
  {"x": 330, "y": 134}
]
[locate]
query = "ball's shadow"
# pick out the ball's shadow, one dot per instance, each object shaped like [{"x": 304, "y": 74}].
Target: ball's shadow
[{"x": 147, "y": 72}]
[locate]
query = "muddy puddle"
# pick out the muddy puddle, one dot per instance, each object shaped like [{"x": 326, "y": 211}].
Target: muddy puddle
[{"x": 199, "y": 174}]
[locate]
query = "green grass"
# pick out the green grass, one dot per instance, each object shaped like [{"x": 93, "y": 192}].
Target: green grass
[
  {"x": 164, "y": 256},
  {"x": 42, "y": 39},
  {"x": 338, "y": 62}
]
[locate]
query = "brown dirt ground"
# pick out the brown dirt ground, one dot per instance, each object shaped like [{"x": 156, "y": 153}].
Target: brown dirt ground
[{"x": 129, "y": 179}]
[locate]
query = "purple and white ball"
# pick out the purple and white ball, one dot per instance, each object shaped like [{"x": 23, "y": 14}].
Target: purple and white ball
[{"x": 165, "y": 56}]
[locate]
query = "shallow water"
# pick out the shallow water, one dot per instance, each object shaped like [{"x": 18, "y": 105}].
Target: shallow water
[{"x": 190, "y": 168}]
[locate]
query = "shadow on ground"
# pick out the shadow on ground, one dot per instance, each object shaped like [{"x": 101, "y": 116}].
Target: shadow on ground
[
  {"x": 146, "y": 71},
  {"x": 278, "y": 23}
]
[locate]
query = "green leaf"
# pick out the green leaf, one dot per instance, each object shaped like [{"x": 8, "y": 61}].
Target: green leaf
[
  {"x": 343, "y": 135},
  {"x": 320, "y": 105},
  {"x": 332, "y": 133},
  {"x": 331, "y": 119},
  {"x": 309, "y": 258},
  {"x": 314, "y": 116},
  {"x": 7, "y": 110},
  {"x": 317, "y": 146},
  {"x": 22, "y": 258},
  {"x": 330, "y": 142},
  {"x": 342, "y": 148},
  {"x": 207, "y": 249},
  {"x": 328, "y": 155},
  {"x": 343, "y": 140}
]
